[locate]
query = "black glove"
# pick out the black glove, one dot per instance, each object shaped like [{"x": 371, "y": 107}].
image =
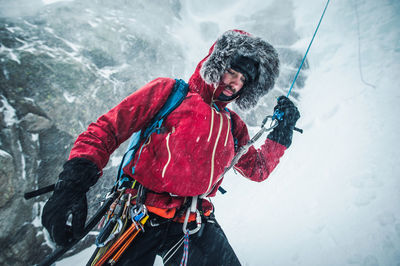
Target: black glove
[
  {"x": 69, "y": 197},
  {"x": 283, "y": 132}
]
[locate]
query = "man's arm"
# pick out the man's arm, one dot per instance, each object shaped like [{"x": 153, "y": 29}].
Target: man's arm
[
  {"x": 256, "y": 164},
  {"x": 101, "y": 138}
]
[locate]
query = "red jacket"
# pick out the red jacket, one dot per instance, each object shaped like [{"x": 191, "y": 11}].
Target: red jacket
[{"x": 188, "y": 157}]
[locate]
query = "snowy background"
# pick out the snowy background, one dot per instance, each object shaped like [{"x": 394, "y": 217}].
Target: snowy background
[{"x": 334, "y": 198}]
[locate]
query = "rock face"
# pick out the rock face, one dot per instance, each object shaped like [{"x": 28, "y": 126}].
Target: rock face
[
  {"x": 6, "y": 175},
  {"x": 35, "y": 123},
  {"x": 61, "y": 67},
  {"x": 24, "y": 137}
]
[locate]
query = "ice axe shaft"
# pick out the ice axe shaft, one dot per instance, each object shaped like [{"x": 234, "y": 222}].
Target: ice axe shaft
[{"x": 38, "y": 192}]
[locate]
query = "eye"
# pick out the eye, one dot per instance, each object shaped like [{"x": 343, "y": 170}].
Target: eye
[{"x": 230, "y": 71}]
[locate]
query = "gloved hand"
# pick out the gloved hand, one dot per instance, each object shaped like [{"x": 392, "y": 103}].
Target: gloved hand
[
  {"x": 283, "y": 132},
  {"x": 69, "y": 197}
]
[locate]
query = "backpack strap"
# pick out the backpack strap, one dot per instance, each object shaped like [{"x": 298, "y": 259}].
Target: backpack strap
[
  {"x": 178, "y": 94},
  {"x": 235, "y": 140},
  {"x": 176, "y": 97}
]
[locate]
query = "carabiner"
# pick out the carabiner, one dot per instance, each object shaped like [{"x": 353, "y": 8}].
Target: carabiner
[
  {"x": 198, "y": 223},
  {"x": 192, "y": 209},
  {"x": 138, "y": 213},
  {"x": 109, "y": 232},
  {"x": 273, "y": 124}
]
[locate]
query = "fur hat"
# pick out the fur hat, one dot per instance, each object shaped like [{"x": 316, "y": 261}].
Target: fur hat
[
  {"x": 236, "y": 43},
  {"x": 245, "y": 65}
]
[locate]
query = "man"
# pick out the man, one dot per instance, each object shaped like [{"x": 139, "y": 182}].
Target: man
[{"x": 186, "y": 158}]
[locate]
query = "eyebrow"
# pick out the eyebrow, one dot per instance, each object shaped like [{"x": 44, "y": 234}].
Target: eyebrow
[{"x": 242, "y": 78}]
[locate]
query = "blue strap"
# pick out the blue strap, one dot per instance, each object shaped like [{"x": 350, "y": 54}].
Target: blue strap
[
  {"x": 178, "y": 94},
  {"x": 130, "y": 152},
  {"x": 304, "y": 58},
  {"x": 279, "y": 114}
]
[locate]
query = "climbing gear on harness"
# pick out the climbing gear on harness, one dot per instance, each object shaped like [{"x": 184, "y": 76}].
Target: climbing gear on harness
[
  {"x": 114, "y": 238},
  {"x": 113, "y": 226},
  {"x": 192, "y": 209},
  {"x": 139, "y": 217}
]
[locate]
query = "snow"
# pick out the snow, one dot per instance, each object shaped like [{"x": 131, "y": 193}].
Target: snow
[
  {"x": 10, "y": 117},
  {"x": 37, "y": 210},
  {"x": 48, "y": 2},
  {"x": 35, "y": 137},
  {"x": 93, "y": 24},
  {"x": 5, "y": 154},
  {"x": 115, "y": 161},
  {"x": 5, "y": 72},
  {"x": 69, "y": 97},
  {"x": 13, "y": 56},
  {"x": 36, "y": 213},
  {"x": 23, "y": 163}
]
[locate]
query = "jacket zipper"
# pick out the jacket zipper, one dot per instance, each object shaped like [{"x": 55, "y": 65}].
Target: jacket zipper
[
  {"x": 227, "y": 130},
  {"x": 226, "y": 139},
  {"x": 215, "y": 148},
  {"x": 169, "y": 152},
  {"x": 212, "y": 124}
]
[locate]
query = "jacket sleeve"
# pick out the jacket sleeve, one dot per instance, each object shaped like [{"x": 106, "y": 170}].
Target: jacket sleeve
[
  {"x": 101, "y": 138},
  {"x": 256, "y": 164}
]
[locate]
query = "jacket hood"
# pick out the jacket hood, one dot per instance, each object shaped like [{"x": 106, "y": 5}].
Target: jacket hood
[{"x": 208, "y": 73}]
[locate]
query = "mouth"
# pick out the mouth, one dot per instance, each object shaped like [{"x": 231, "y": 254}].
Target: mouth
[{"x": 228, "y": 91}]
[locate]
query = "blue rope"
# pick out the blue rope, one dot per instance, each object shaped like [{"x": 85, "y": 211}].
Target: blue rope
[
  {"x": 185, "y": 250},
  {"x": 304, "y": 58}
]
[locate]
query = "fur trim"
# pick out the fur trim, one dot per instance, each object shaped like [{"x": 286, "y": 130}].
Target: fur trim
[{"x": 238, "y": 42}]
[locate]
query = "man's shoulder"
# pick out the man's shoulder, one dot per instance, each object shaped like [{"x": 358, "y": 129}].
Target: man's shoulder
[{"x": 162, "y": 81}]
